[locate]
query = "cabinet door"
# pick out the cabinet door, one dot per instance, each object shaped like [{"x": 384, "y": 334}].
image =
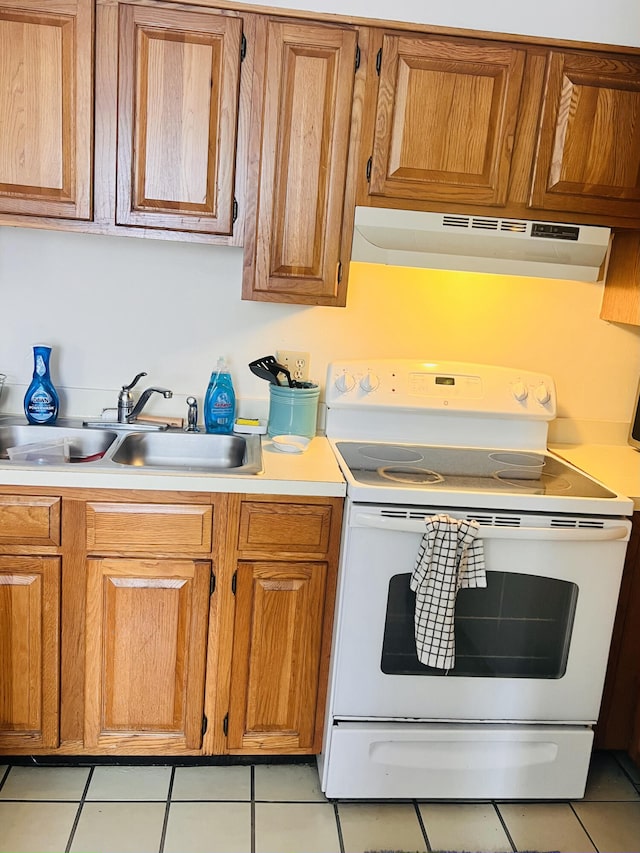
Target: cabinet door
[
  {"x": 276, "y": 657},
  {"x": 445, "y": 120},
  {"x": 177, "y": 119},
  {"x": 29, "y": 652},
  {"x": 589, "y": 145},
  {"x": 46, "y": 113},
  {"x": 294, "y": 245},
  {"x": 146, "y": 628}
]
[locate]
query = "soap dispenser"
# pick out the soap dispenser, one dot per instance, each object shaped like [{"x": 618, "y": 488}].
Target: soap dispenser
[
  {"x": 41, "y": 401},
  {"x": 220, "y": 401}
]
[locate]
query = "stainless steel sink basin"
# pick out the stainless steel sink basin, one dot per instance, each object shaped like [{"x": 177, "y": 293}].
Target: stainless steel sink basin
[
  {"x": 215, "y": 454},
  {"x": 85, "y": 445}
]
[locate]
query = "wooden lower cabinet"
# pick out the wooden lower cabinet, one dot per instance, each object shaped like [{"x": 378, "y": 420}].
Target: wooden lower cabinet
[
  {"x": 277, "y": 646},
  {"x": 29, "y": 652},
  {"x": 619, "y": 720},
  {"x": 146, "y": 652},
  {"x": 168, "y": 623}
]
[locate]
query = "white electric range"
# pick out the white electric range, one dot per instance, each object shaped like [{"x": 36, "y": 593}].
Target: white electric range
[{"x": 513, "y": 717}]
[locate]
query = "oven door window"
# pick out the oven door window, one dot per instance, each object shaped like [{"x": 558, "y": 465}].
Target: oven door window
[{"x": 518, "y": 627}]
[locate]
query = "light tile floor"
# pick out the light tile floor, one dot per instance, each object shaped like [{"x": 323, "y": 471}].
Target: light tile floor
[{"x": 279, "y": 808}]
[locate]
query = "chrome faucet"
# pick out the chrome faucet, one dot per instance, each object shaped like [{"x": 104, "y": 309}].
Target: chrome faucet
[{"x": 127, "y": 410}]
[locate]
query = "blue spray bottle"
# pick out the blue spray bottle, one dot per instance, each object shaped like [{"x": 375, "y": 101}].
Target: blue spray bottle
[{"x": 41, "y": 401}]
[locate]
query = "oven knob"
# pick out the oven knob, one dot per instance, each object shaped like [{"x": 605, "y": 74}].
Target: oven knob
[
  {"x": 520, "y": 391},
  {"x": 369, "y": 382},
  {"x": 345, "y": 382},
  {"x": 542, "y": 394}
]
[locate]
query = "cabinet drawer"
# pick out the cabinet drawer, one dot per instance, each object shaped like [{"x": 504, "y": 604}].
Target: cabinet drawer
[
  {"x": 29, "y": 520},
  {"x": 285, "y": 528},
  {"x": 173, "y": 528}
]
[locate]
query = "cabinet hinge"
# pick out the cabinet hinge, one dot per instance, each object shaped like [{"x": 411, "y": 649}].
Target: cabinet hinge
[
  {"x": 205, "y": 723},
  {"x": 225, "y": 725},
  {"x": 357, "y": 57},
  {"x": 369, "y": 165},
  {"x": 339, "y": 272},
  {"x": 212, "y": 584},
  {"x": 235, "y": 209},
  {"x": 234, "y": 581},
  {"x": 243, "y": 48},
  {"x": 379, "y": 61}
]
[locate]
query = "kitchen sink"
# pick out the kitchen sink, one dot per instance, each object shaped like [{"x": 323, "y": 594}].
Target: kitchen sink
[
  {"x": 85, "y": 445},
  {"x": 214, "y": 454}
]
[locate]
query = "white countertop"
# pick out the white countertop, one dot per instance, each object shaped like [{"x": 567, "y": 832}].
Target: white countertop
[{"x": 314, "y": 472}]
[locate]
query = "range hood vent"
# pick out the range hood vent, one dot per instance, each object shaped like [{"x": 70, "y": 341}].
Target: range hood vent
[{"x": 486, "y": 244}]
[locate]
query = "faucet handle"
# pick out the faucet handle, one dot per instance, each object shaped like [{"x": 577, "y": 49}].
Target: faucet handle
[
  {"x": 133, "y": 382},
  {"x": 125, "y": 400}
]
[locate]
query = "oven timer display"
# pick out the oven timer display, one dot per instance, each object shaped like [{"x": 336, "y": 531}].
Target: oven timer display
[{"x": 440, "y": 385}]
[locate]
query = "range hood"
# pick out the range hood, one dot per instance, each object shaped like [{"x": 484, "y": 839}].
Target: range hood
[{"x": 453, "y": 241}]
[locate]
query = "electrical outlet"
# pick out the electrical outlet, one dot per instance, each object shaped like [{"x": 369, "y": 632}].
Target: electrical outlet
[{"x": 296, "y": 362}]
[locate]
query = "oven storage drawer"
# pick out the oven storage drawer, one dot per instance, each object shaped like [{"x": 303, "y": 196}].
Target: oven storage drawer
[{"x": 425, "y": 760}]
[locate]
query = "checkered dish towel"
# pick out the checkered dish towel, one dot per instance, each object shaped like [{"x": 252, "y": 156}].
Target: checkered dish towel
[{"x": 449, "y": 557}]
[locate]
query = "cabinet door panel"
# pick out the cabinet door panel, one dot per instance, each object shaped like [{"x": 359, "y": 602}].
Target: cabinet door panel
[
  {"x": 29, "y": 520},
  {"x": 276, "y": 656},
  {"x": 589, "y": 145},
  {"x": 308, "y": 85},
  {"x": 29, "y": 651},
  {"x": 177, "y": 119},
  {"x": 172, "y": 528},
  {"x": 445, "y": 120},
  {"x": 46, "y": 86},
  {"x": 145, "y": 649}
]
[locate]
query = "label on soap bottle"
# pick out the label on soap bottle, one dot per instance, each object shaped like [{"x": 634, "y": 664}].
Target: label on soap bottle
[{"x": 41, "y": 405}]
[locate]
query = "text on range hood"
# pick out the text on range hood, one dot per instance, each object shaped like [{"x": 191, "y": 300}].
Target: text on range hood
[{"x": 454, "y": 241}]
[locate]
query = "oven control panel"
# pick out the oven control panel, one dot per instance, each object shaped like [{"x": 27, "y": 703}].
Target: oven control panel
[{"x": 445, "y": 386}]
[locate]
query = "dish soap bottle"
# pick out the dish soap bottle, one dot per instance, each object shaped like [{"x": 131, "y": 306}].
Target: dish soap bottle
[
  {"x": 41, "y": 401},
  {"x": 220, "y": 401}
]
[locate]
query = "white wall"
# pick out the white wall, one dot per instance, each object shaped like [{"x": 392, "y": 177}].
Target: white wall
[
  {"x": 113, "y": 306},
  {"x": 604, "y": 21}
]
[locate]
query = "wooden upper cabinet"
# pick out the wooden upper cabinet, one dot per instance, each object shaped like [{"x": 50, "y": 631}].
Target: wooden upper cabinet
[
  {"x": 588, "y": 157},
  {"x": 445, "y": 119},
  {"x": 29, "y": 652},
  {"x": 46, "y": 108},
  {"x": 295, "y": 237},
  {"x": 178, "y": 90}
]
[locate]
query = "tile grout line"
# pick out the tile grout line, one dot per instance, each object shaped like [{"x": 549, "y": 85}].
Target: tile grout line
[
  {"x": 4, "y": 778},
  {"x": 163, "y": 834},
  {"x": 76, "y": 820},
  {"x": 253, "y": 809},
  {"x": 584, "y": 828},
  {"x": 422, "y": 825},
  {"x": 504, "y": 824},
  {"x": 336, "y": 814},
  {"x": 625, "y": 771}
]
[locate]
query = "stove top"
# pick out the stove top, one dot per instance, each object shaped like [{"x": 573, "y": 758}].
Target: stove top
[
  {"x": 454, "y": 434},
  {"x": 465, "y": 470}
]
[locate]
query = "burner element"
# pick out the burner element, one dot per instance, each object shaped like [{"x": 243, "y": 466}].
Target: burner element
[
  {"x": 529, "y": 479},
  {"x": 389, "y": 453},
  {"x": 522, "y": 460},
  {"x": 410, "y": 474}
]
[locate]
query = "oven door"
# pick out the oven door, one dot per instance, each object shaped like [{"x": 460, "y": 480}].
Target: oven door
[{"x": 531, "y": 647}]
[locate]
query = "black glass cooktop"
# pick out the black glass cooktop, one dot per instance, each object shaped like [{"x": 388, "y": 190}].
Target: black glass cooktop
[{"x": 465, "y": 469}]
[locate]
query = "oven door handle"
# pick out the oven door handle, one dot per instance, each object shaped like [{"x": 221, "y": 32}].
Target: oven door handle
[{"x": 561, "y": 534}]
